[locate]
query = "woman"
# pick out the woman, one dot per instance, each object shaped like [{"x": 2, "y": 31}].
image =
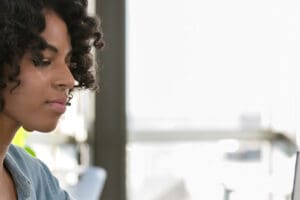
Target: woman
[{"x": 44, "y": 54}]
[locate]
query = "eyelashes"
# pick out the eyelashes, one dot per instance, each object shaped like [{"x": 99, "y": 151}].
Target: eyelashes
[
  {"x": 44, "y": 62},
  {"x": 40, "y": 61}
]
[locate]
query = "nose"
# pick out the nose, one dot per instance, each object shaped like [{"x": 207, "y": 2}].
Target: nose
[{"x": 64, "y": 78}]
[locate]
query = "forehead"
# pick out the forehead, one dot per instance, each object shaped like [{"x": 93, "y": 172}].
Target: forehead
[{"x": 56, "y": 32}]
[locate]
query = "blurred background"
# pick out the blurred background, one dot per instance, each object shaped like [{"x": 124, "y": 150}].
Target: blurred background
[{"x": 199, "y": 99}]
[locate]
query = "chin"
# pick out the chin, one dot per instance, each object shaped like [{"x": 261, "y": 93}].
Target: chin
[{"x": 42, "y": 128}]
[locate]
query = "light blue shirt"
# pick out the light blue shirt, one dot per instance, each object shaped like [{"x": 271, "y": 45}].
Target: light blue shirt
[{"x": 32, "y": 178}]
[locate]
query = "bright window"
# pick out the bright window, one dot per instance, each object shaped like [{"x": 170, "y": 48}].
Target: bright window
[{"x": 211, "y": 65}]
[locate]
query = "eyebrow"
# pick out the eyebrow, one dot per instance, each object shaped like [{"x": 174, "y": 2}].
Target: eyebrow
[
  {"x": 52, "y": 48},
  {"x": 55, "y": 50}
]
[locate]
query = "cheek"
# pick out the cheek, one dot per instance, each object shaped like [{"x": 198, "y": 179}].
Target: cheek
[
  {"x": 19, "y": 98},
  {"x": 35, "y": 117},
  {"x": 26, "y": 107}
]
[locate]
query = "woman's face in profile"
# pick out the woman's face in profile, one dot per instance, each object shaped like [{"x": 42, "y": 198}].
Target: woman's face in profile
[{"x": 40, "y": 99}]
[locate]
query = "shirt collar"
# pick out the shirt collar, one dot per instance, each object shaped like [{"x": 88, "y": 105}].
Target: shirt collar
[{"x": 23, "y": 184}]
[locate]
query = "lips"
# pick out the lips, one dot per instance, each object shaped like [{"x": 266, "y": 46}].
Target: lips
[{"x": 58, "y": 105}]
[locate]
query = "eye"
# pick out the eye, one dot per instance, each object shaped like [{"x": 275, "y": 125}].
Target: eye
[{"x": 43, "y": 62}]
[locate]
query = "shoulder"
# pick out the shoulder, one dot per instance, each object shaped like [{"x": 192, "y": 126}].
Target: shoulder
[{"x": 41, "y": 178}]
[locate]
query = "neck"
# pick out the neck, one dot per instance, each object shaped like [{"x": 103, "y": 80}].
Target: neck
[
  {"x": 7, "y": 131},
  {"x": 4, "y": 144}
]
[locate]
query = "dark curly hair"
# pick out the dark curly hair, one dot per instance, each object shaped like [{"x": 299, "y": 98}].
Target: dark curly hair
[{"x": 21, "y": 23}]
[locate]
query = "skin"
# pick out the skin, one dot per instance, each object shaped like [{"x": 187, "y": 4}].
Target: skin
[{"x": 39, "y": 101}]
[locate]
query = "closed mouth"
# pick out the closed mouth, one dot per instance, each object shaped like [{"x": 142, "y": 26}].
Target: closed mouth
[{"x": 58, "y": 105}]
